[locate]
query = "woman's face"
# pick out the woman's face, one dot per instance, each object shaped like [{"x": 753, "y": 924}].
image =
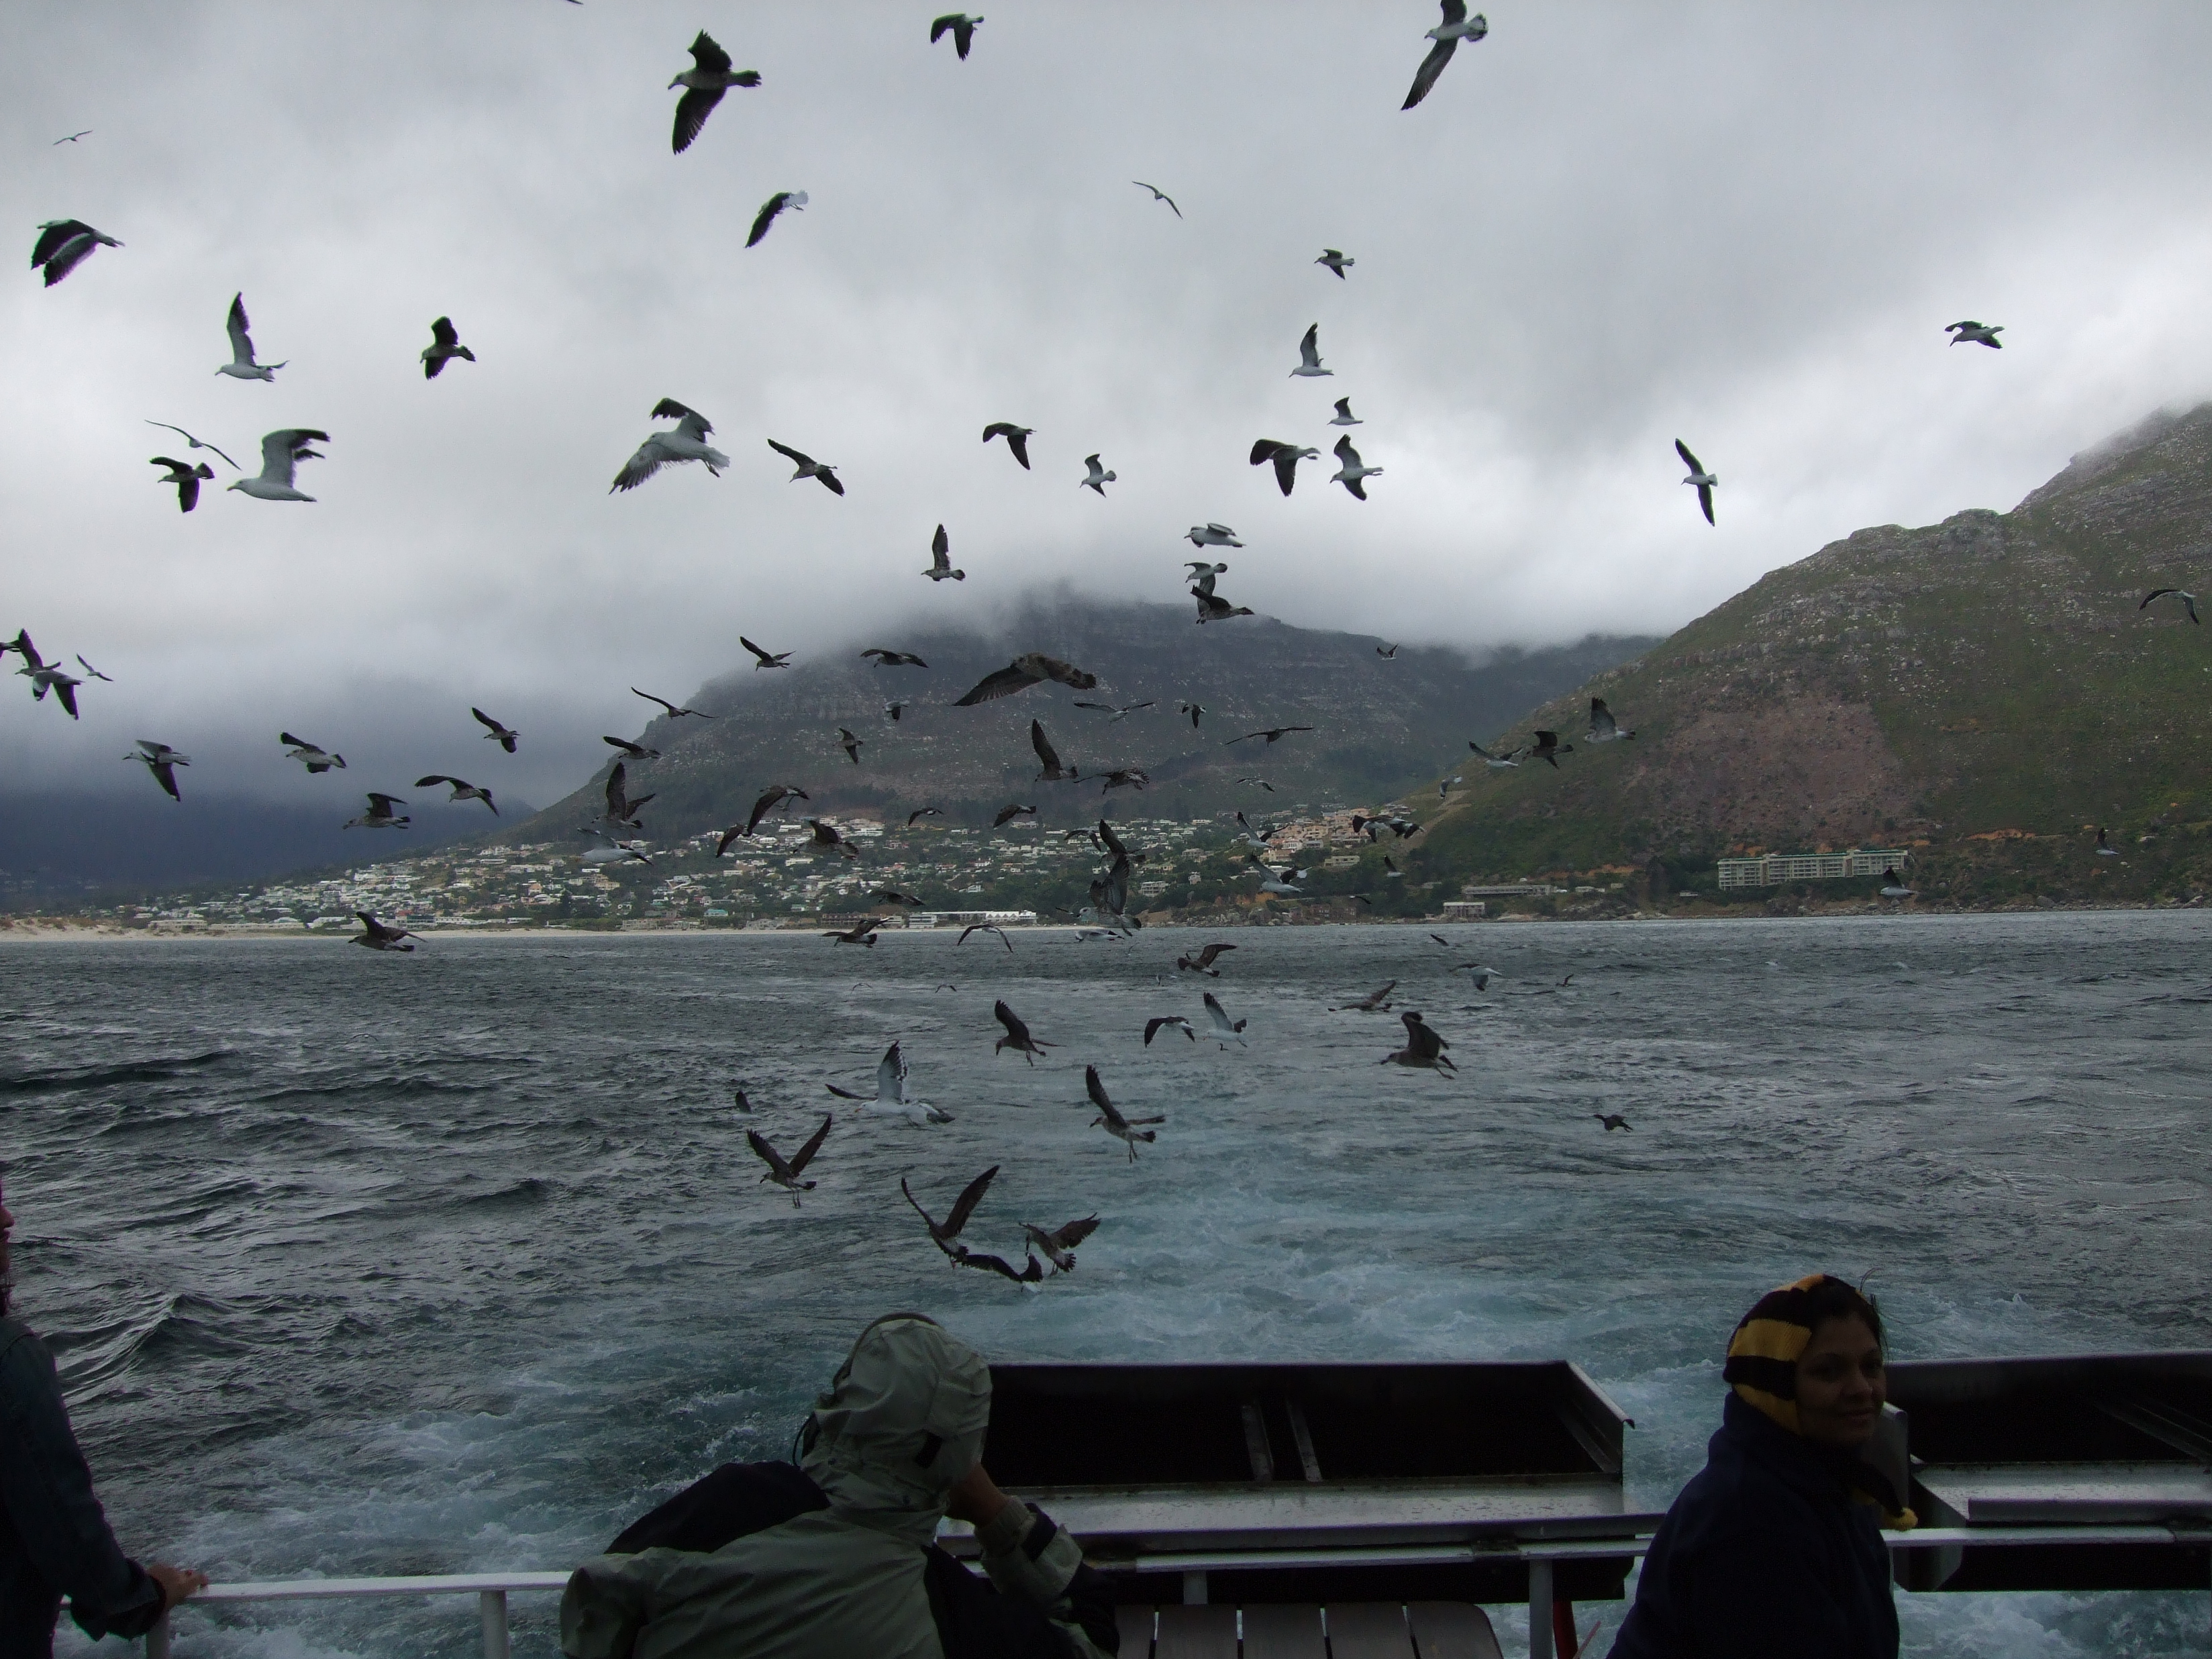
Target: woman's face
[{"x": 1841, "y": 1383}]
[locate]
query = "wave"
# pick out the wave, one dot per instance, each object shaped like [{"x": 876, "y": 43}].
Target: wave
[
  {"x": 524, "y": 1194},
  {"x": 99, "y": 1077},
  {"x": 176, "y": 1328}
]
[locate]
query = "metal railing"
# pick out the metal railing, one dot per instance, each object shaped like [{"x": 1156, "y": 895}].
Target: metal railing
[{"x": 492, "y": 1589}]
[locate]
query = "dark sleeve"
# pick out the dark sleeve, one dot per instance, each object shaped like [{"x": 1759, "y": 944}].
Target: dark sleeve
[
  {"x": 974, "y": 1621},
  {"x": 735, "y": 1499},
  {"x": 48, "y": 1493}
]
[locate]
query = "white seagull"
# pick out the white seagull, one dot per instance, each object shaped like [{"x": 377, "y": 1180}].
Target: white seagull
[
  {"x": 1309, "y": 356},
  {"x": 1892, "y": 885},
  {"x": 1335, "y": 261},
  {"x": 1098, "y": 477},
  {"x": 1124, "y": 1129},
  {"x": 313, "y": 756},
  {"x": 1352, "y": 472},
  {"x": 889, "y": 1099},
  {"x": 462, "y": 789},
  {"x": 1213, "y": 535},
  {"x": 1224, "y": 1029},
  {"x": 1704, "y": 480},
  {"x": 241, "y": 366},
  {"x": 1344, "y": 415},
  {"x": 1456, "y": 27},
  {"x": 940, "y": 559},
  {"x": 196, "y": 443},
  {"x": 63, "y": 245},
  {"x": 686, "y": 443},
  {"x": 378, "y": 816},
  {"x": 281, "y": 452},
  {"x": 163, "y": 761}
]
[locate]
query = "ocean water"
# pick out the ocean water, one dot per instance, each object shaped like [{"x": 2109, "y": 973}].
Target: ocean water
[{"x": 459, "y": 1260}]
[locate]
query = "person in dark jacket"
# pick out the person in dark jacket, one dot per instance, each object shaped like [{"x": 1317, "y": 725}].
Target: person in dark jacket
[
  {"x": 1775, "y": 1546},
  {"x": 54, "y": 1538}
]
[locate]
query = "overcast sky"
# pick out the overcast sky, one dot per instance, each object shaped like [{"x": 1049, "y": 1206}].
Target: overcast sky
[{"x": 1609, "y": 226}]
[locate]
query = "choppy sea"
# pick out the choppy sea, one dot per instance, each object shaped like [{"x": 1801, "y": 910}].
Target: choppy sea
[{"x": 459, "y": 1260}]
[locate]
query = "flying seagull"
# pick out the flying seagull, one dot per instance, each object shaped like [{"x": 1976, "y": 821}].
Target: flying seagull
[
  {"x": 1225, "y": 1028},
  {"x": 196, "y": 443},
  {"x": 505, "y": 735},
  {"x": 861, "y": 932},
  {"x": 90, "y": 671},
  {"x": 962, "y": 27},
  {"x": 1975, "y": 333},
  {"x": 808, "y": 468},
  {"x": 765, "y": 659},
  {"x": 986, "y": 927},
  {"x": 1344, "y": 415},
  {"x": 1704, "y": 480},
  {"x": 1456, "y": 27},
  {"x": 1203, "y": 962},
  {"x": 1547, "y": 748},
  {"x": 1424, "y": 1047},
  {"x": 1058, "y": 1245},
  {"x": 850, "y": 744},
  {"x": 1352, "y": 472},
  {"x": 63, "y": 245},
  {"x": 1310, "y": 355},
  {"x": 463, "y": 790},
  {"x": 2105, "y": 848},
  {"x": 2188, "y": 600},
  {"x": 1285, "y": 457},
  {"x": 1603, "y": 728},
  {"x": 945, "y": 1235},
  {"x": 1499, "y": 760},
  {"x": 381, "y": 935},
  {"x": 1335, "y": 261},
  {"x": 774, "y": 796},
  {"x": 1203, "y": 573},
  {"x": 280, "y": 453},
  {"x": 1118, "y": 711},
  {"x": 826, "y": 835},
  {"x": 378, "y": 816},
  {"x": 186, "y": 477},
  {"x": 1123, "y": 776},
  {"x": 785, "y": 1173},
  {"x": 1123, "y": 1129},
  {"x": 704, "y": 83},
  {"x": 635, "y": 750},
  {"x": 894, "y": 709},
  {"x": 687, "y": 441},
  {"x": 1048, "y": 758},
  {"x": 1170, "y": 1022},
  {"x": 1158, "y": 195},
  {"x": 1259, "y": 783},
  {"x": 792, "y": 200},
  {"x": 1213, "y": 608},
  {"x": 444, "y": 344},
  {"x": 1017, "y": 437},
  {"x": 72, "y": 138},
  {"x": 674, "y": 712},
  {"x": 1374, "y": 1002},
  {"x": 1272, "y": 733},
  {"x": 1892, "y": 885},
  {"x": 892, "y": 896},
  {"x": 1192, "y": 709},
  {"x": 241, "y": 366},
  {"x": 1018, "y": 1036},
  {"x": 940, "y": 558},
  {"x": 313, "y": 756},
  {"x": 923, "y": 813},
  {"x": 1097, "y": 478},
  {"x": 620, "y": 809},
  {"x": 161, "y": 761},
  {"x": 1212, "y": 535},
  {"x": 1009, "y": 812},
  {"x": 890, "y": 1099},
  {"x": 1387, "y": 652},
  {"x": 612, "y": 851},
  {"x": 894, "y": 658},
  {"x": 1030, "y": 668}
]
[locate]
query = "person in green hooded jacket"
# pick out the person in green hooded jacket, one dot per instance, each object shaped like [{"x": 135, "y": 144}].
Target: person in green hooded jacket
[{"x": 835, "y": 1557}]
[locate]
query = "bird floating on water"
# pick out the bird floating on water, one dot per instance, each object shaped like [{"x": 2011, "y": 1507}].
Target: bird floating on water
[
  {"x": 1017, "y": 437},
  {"x": 1097, "y": 478},
  {"x": 280, "y": 453},
  {"x": 1352, "y": 472},
  {"x": 1210, "y": 535},
  {"x": 784, "y": 201},
  {"x": 1285, "y": 457},
  {"x": 1126, "y": 1130},
  {"x": 962, "y": 27},
  {"x": 63, "y": 245},
  {"x": 1698, "y": 477},
  {"x": 186, "y": 477},
  {"x": 1334, "y": 259},
  {"x": 1158, "y": 195},
  {"x": 505, "y": 735},
  {"x": 1030, "y": 668},
  {"x": 380, "y": 935},
  {"x": 785, "y": 1172},
  {"x": 1456, "y": 27},
  {"x": 196, "y": 443},
  {"x": 765, "y": 659},
  {"x": 313, "y": 756},
  {"x": 1310, "y": 355},
  {"x": 709, "y": 77},
  {"x": 940, "y": 557},
  {"x": 463, "y": 790},
  {"x": 890, "y": 1097},
  {"x": 2188, "y": 600},
  {"x": 161, "y": 761},
  {"x": 378, "y": 816},
  {"x": 685, "y": 442},
  {"x": 445, "y": 344},
  {"x": 1970, "y": 333},
  {"x": 241, "y": 366}
]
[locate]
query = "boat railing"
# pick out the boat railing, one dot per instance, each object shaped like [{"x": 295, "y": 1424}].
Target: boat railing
[{"x": 1192, "y": 1570}]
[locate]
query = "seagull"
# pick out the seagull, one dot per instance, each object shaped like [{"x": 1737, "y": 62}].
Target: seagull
[
  {"x": 281, "y": 452},
  {"x": 963, "y": 27},
  {"x": 774, "y": 796},
  {"x": 241, "y": 366},
  {"x": 1210, "y": 535},
  {"x": 1280, "y": 881},
  {"x": 1271, "y": 734},
  {"x": 1424, "y": 1047},
  {"x": 613, "y": 851},
  {"x": 1224, "y": 1028},
  {"x": 686, "y": 443},
  {"x": 826, "y": 835},
  {"x": 72, "y": 138},
  {"x": 808, "y": 468},
  {"x": 1176, "y": 1021},
  {"x": 1124, "y": 776},
  {"x": 1018, "y": 1036},
  {"x": 378, "y": 816},
  {"x": 311, "y": 755},
  {"x": 1892, "y": 885},
  {"x": 1048, "y": 758},
  {"x": 861, "y": 932},
  {"x": 1118, "y": 711},
  {"x": 46, "y": 676},
  {"x": 1353, "y": 471},
  {"x": 765, "y": 659},
  {"x": 786, "y": 1174},
  {"x": 1344, "y": 415},
  {"x": 620, "y": 809},
  {"x": 1192, "y": 709},
  {"x": 1259, "y": 783},
  {"x": 1475, "y": 972},
  {"x": 850, "y": 744},
  {"x": 463, "y": 790},
  {"x": 1603, "y": 728},
  {"x": 1204, "y": 574},
  {"x": 1203, "y": 962},
  {"x": 894, "y": 658},
  {"x": 1389, "y": 653},
  {"x": 1613, "y": 1121},
  {"x": 1017, "y": 437},
  {"x": 2188, "y": 600},
  {"x": 1097, "y": 478},
  {"x": 795, "y": 200},
  {"x": 1158, "y": 195},
  {"x": 379, "y": 935},
  {"x": 505, "y": 735},
  {"x": 161, "y": 761},
  {"x": 985, "y": 927},
  {"x": 1123, "y": 1129},
  {"x": 635, "y": 750},
  {"x": 739, "y": 1100},
  {"x": 1456, "y": 27},
  {"x": 444, "y": 344},
  {"x": 2105, "y": 848},
  {"x": 1309, "y": 356},
  {"x": 186, "y": 477},
  {"x": 1058, "y": 1245},
  {"x": 889, "y": 1099},
  {"x": 1285, "y": 457},
  {"x": 1704, "y": 480},
  {"x": 923, "y": 813},
  {"x": 196, "y": 443},
  {"x": 1335, "y": 261},
  {"x": 90, "y": 671},
  {"x": 1547, "y": 748},
  {"x": 1497, "y": 760},
  {"x": 1374, "y": 1002},
  {"x": 940, "y": 559},
  {"x": 1213, "y": 608},
  {"x": 1261, "y": 838},
  {"x": 1009, "y": 812},
  {"x": 1975, "y": 333},
  {"x": 704, "y": 83},
  {"x": 894, "y": 710},
  {"x": 63, "y": 245},
  {"x": 1030, "y": 668},
  {"x": 946, "y": 1235},
  {"x": 674, "y": 713}
]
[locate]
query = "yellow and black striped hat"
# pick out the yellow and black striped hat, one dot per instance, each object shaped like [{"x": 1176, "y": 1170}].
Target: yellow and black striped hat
[{"x": 1763, "y": 1354}]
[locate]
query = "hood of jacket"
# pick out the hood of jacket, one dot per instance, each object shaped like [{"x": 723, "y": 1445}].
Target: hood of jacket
[{"x": 901, "y": 1421}]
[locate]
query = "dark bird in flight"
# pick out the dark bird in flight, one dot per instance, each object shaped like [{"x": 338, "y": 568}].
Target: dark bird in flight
[
  {"x": 2105, "y": 848},
  {"x": 1158, "y": 195},
  {"x": 1424, "y": 1047},
  {"x": 196, "y": 443},
  {"x": 861, "y": 933},
  {"x": 1374, "y": 1002},
  {"x": 1211, "y": 607},
  {"x": 1547, "y": 748},
  {"x": 962, "y": 27},
  {"x": 704, "y": 83},
  {"x": 774, "y": 796},
  {"x": 620, "y": 809},
  {"x": 63, "y": 245},
  {"x": 765, "y": 659},
  {"x": 1009, "y": 812},
  {"x": 1017, "y": 437},
  {"x": 892, "y": 896},
  {"x": 785, "y": 1173},
  {"x": 1018, "y": 1036},
  {"x": 1123, "y": 777},
  {"x": 314, "y": 757},
  {"x": 1344, "y": 416},
  {"x": 72, "y": 138},
  {"x": 674, "y": 712},
  {"x": 826, "y": 835},
  {"x": 1126, "y": 1130},
  {"x": 186, "y": 477},
  {"x": 894, "y": 658},
  {"x": 895, "y": 709},
  {"x": 1192, "y": 709},
  {"x": 1387, "y": 653},
  {"x": 445, "y": 344},
  {"x": 505, "y": 735},
  {"x": 1271, "y": 734},
  {"x": 850, "y": 744},
  {"x": 1030, "y": 668},
  {"x": 381, "y": 936},
  {"x": 923, "y": 813},
  {"x": 945, "y": 1235},
  {"x": 808, "y": 468},
  {"x": 1058, "y": 1245},
  {"x": 1118, "y": 711},
  {"x": 1176, "y": 1021},
  {"x": 2188, "y": 600},
  {"x": 163, "y": 761},
  {"x": 1049, "y": 758},
  {"x": 1285, "y": 457},
  {"x": 1456, "y": 27},
  {"x": 635, "y": 750},
  {"x": 1203, "y": 962},
  {"x": 1975, "y": 333},
  {"x": 1892, "y": 885},
  {"x": 1603, "y": 728},
  {"x": 1613, "y": 1121},
  {"x": 463, "y": 790},
  {"x": 986, "y": 927},
  {"x": 379, "y": 816},
  {"x": 685, "y": 442},
  {"x": 1698, "y": 477},
  {"x": 794, "y": 201},
  {"x": 940, "y": 558}
]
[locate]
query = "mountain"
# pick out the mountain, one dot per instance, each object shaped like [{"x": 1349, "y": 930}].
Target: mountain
[
  {"x": 1379, "y": 725},
  {"x": 1986, "y": 689}
]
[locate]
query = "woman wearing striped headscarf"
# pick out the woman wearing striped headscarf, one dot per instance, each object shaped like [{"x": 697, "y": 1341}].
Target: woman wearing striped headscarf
[{"x": 1775, "y": 1546}]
